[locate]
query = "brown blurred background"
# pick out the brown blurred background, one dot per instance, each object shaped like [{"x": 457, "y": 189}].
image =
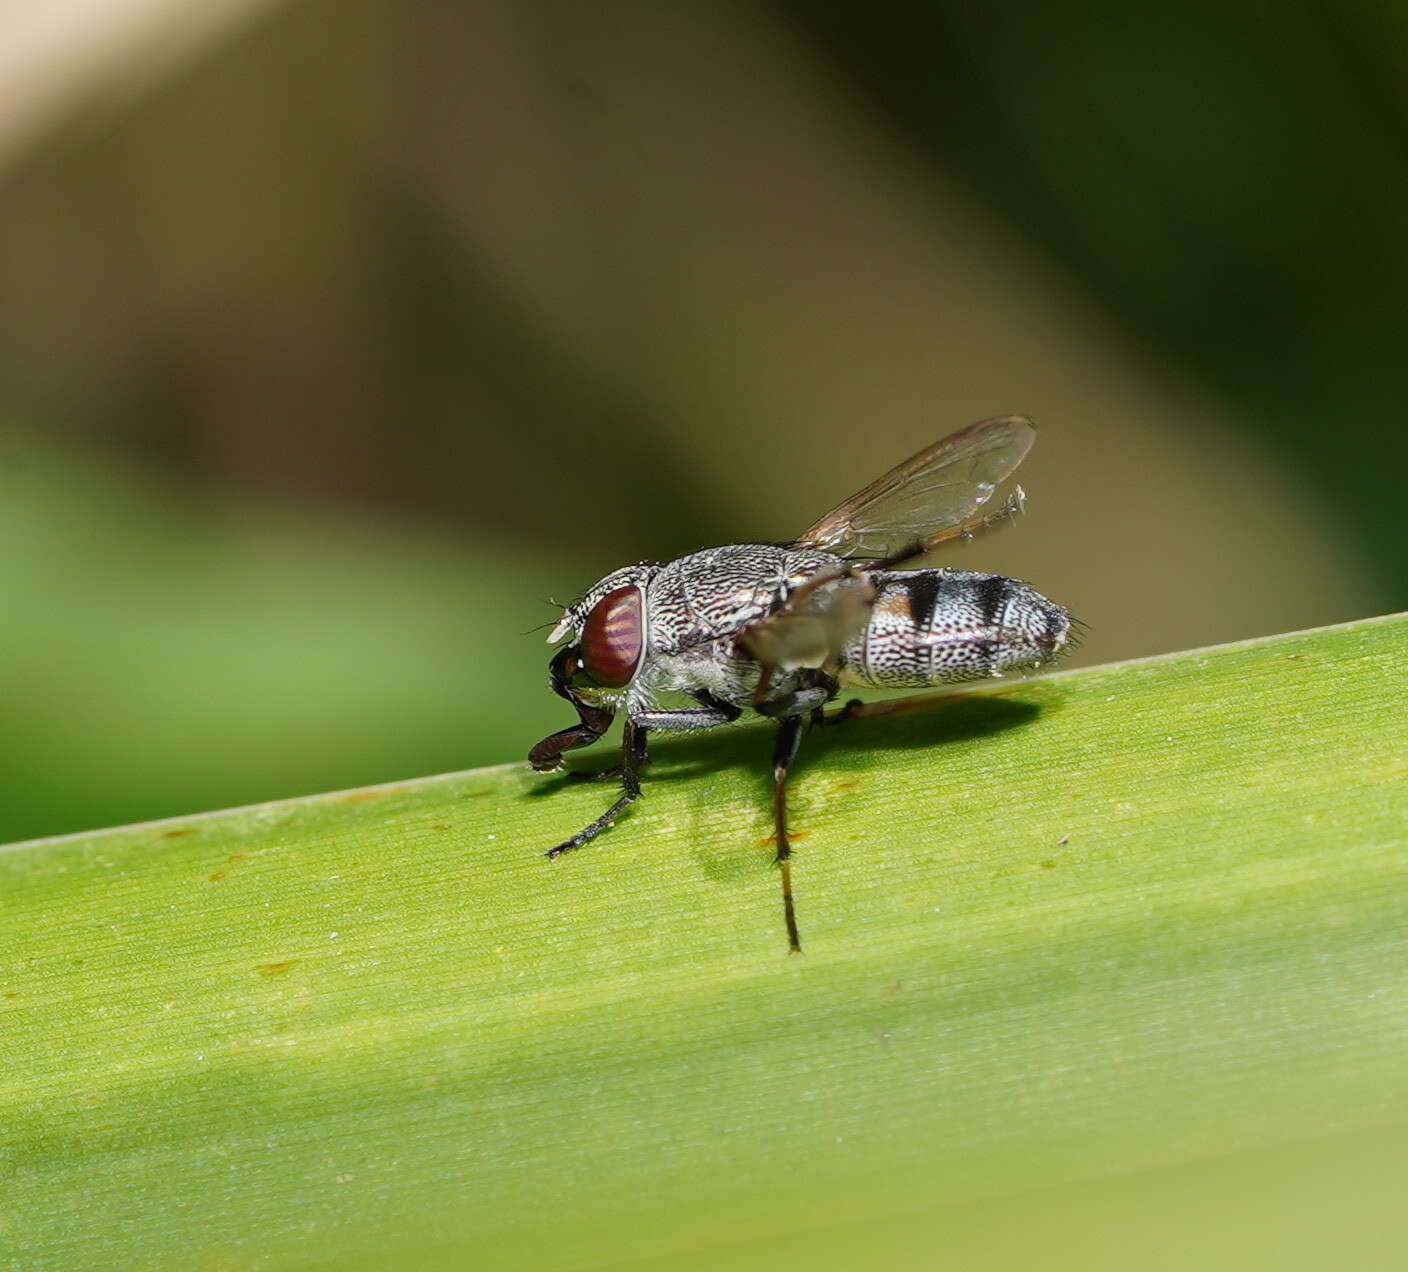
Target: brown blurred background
[{"x": 335, "y": 338}]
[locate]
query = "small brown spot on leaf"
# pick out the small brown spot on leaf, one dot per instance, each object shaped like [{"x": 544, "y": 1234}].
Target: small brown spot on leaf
[
  {"x": 361, "y": 797},
  {"x": 1064, "y": 840},
  {"x": 792, "y": 837},
  {"x": 178, "y": 833},
  {"x": 846, "y": 786},
  {"x": 90, "y": 1098},
  {"x": 1047, "y": 865},
  {"x": 235, "y": 856},
  {"x": 275, "y": 969},
  {"x": 10, "y": 993},
  {"x": 438, "y": 826},
  {"x": 216, "y": 875},
  {"x": 476, "y": 794}
]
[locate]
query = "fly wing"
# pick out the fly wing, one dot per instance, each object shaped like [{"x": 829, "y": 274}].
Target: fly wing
[
  {"x": 930, "y": 498},
  {"x": 814, "y": 624}
]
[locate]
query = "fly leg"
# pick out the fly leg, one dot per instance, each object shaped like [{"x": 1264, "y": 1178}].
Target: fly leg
[
  {"x": 807, "y": 698},
  {"x": 793, "y": 709},
  {"x": 712, "y": 713},
  {"x": 547, "y": 755},
  {"x": 592, "y": 722},
  {"x": 633, "y": 748},
  {"x": 789, "y": 737},
  {"x": 848, "y": 712}
]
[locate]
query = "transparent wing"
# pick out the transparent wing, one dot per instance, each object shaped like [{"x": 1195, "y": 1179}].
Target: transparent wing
[
  {"x": 930, "y": 498},
  {"x": 814, "y": 624}
]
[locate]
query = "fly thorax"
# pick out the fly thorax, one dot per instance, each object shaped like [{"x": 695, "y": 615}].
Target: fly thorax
[{"x": 711, "y": 595}]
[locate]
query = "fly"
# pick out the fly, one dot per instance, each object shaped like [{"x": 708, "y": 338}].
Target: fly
[{"x": 779, "y": 629}]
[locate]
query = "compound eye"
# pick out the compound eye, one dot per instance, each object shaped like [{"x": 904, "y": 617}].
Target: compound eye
[{"x": 612, "y": 638}]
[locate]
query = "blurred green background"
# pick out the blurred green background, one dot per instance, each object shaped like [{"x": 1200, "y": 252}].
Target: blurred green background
[{"x": 336, "y": 338}]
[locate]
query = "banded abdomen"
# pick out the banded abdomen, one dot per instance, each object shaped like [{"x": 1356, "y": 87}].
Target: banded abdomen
[{"x": 936, "y": 626}]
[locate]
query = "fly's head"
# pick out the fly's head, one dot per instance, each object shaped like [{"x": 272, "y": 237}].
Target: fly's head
[{"x": 606, "y": 638}]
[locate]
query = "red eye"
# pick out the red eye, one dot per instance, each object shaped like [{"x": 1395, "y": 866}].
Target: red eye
[{"x": 612, "y": 638}]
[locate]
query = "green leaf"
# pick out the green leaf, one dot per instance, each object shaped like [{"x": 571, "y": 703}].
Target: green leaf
[{"x": 1141, "y": 918}]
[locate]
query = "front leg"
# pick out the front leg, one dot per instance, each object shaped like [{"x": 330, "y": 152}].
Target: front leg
[
  {"x": 633, "y": 756},
  {"x": 592, "y": 721},
  {"x": 547, "y": 755}
]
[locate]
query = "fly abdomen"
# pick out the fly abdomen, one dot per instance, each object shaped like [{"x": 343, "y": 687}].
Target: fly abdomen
[{"x": 938, "y": 626}]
